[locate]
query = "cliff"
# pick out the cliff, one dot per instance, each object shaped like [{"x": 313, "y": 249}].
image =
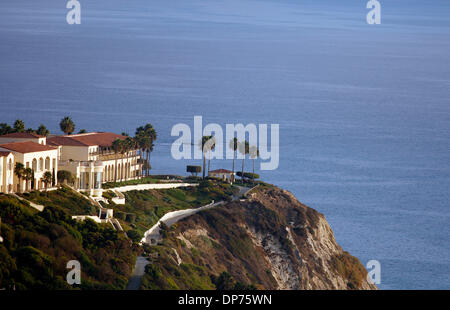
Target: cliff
[{"x": 270, "y": 241}]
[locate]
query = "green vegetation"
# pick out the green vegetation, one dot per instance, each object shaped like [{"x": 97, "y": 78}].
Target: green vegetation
[
  {"x": 38, "y": 245},
  {"x": 145, "y": 180},
  {"x": 144, "y": 208},
  {"x": 67, "y": 125},
  {"x": 248, "y": 175},
  {"x": 64, "y": 177},
  {"x": 42, "y": 130},
  {"x": 350, "y": 268},
  {"x": 226, "y": 282},
  {"x": 65, "y": 198},
  {"x": 19, "y": 126}
]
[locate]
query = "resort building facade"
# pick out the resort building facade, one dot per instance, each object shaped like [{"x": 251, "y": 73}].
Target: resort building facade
[
  {"x": 40, "y": 158},
  {"x": 89, "y": 157},
  {"x": 6, "y": 172},
  {"x": 92, "y": 160}
]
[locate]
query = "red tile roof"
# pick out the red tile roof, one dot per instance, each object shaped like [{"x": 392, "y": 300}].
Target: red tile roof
[
  {"x": 22, "y": 135},
  {"x": 86, "y": 139},
  {"x": 26, "y": 147},
  {"x": 221, "y": 171},
  {"x": 3, "y": 153}
]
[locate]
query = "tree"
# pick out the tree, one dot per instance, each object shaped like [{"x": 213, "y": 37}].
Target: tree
[
  {"x": 19, "y": 170},
  {"x": 244, "y": 149},
  {"x": 234, "y": 144},
  {"x": 47, "y": 179},
  {"x": 42, "y": 130},
  {"x": 145, "y": 136},
  {"x": 206, "y": 144},
  {"x": 5, "y": 129},
  {"x": 134, "y": 235},
  {"x": 64, "y": 176},
  {"x": 67, "y": 125},
  {"x": 19, "y": 126},
  {"x": 194, "y": 169},
  {"x": 82, "y": 131},
  {"x": 28, "y": 176},
  {"x": 224, "y": 282},
  {"x": 254, "y": 154}
]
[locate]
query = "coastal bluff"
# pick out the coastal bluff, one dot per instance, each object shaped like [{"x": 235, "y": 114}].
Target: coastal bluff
[{"x": 269, "y": 241}]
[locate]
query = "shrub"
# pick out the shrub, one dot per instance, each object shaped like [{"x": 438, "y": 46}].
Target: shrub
[
  {"x": 134, "y": 235},
  {"x": 194, "y": 169},
  {"x": 120, "y": 215},
  {"x": 248, "y": 175},
  {"x": 65, "y": 176},
  {"x": 130, "y": 217}
]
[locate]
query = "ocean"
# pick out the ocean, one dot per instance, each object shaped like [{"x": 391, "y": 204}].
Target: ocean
[{"x": 363, "y": 110}]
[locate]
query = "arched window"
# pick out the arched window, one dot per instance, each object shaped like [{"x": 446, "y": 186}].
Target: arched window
[
  {"x": 34, "y": 165},
  {"x": 47, "y": 163},
  {"x": 41, "y": 164}
]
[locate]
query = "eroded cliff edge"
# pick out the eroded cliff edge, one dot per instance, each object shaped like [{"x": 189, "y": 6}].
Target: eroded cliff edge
[{"x": 270, "y": 241}]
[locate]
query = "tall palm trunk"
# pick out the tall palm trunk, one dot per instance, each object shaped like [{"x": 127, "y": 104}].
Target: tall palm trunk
[
  {"x": 242, "y": 175},
  {"x": 253, "y": 175},
  {"x": 142, "y": 163},
  {"x": 148, "y": 162},
  {"x": 234, "y": 156},
  {"x": 209, "y": 162},
  {"x": 204, "y": 165}
]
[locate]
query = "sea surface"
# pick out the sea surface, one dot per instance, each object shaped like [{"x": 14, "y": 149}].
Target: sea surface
[{"x": 364, "y": 110}]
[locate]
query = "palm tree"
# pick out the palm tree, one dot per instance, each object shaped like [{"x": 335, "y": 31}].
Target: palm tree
[
  {"x": 117, "y": 147},
  {"x": 19, "y": 170},
  {"x": 42, "y": 130},
  {"x": 47, "y": 179},
  {"x": 28, "y": 176},
  {"x": 19, "y": 126},
  {"x": 206, "y": 144},
  {"x": 244, "y": 149},
  {"x": 145, "y": 136},
  {"x": 67, "y": 125},
  {"x": 234, "y": 143},
  {"x": 151, "y": 134},
  {"x": 254, "y": 154}
]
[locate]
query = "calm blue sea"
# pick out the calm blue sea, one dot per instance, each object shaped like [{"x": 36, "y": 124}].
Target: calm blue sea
[{"x": 364, "y": 111}]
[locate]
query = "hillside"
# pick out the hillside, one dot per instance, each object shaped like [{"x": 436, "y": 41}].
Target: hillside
[
  {"x": 271, "y": 241},
  {"x": 38, "y": 245}
]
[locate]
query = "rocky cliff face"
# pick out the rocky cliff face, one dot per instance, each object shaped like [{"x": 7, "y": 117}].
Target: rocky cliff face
[{"x": 270, "y": 241}]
